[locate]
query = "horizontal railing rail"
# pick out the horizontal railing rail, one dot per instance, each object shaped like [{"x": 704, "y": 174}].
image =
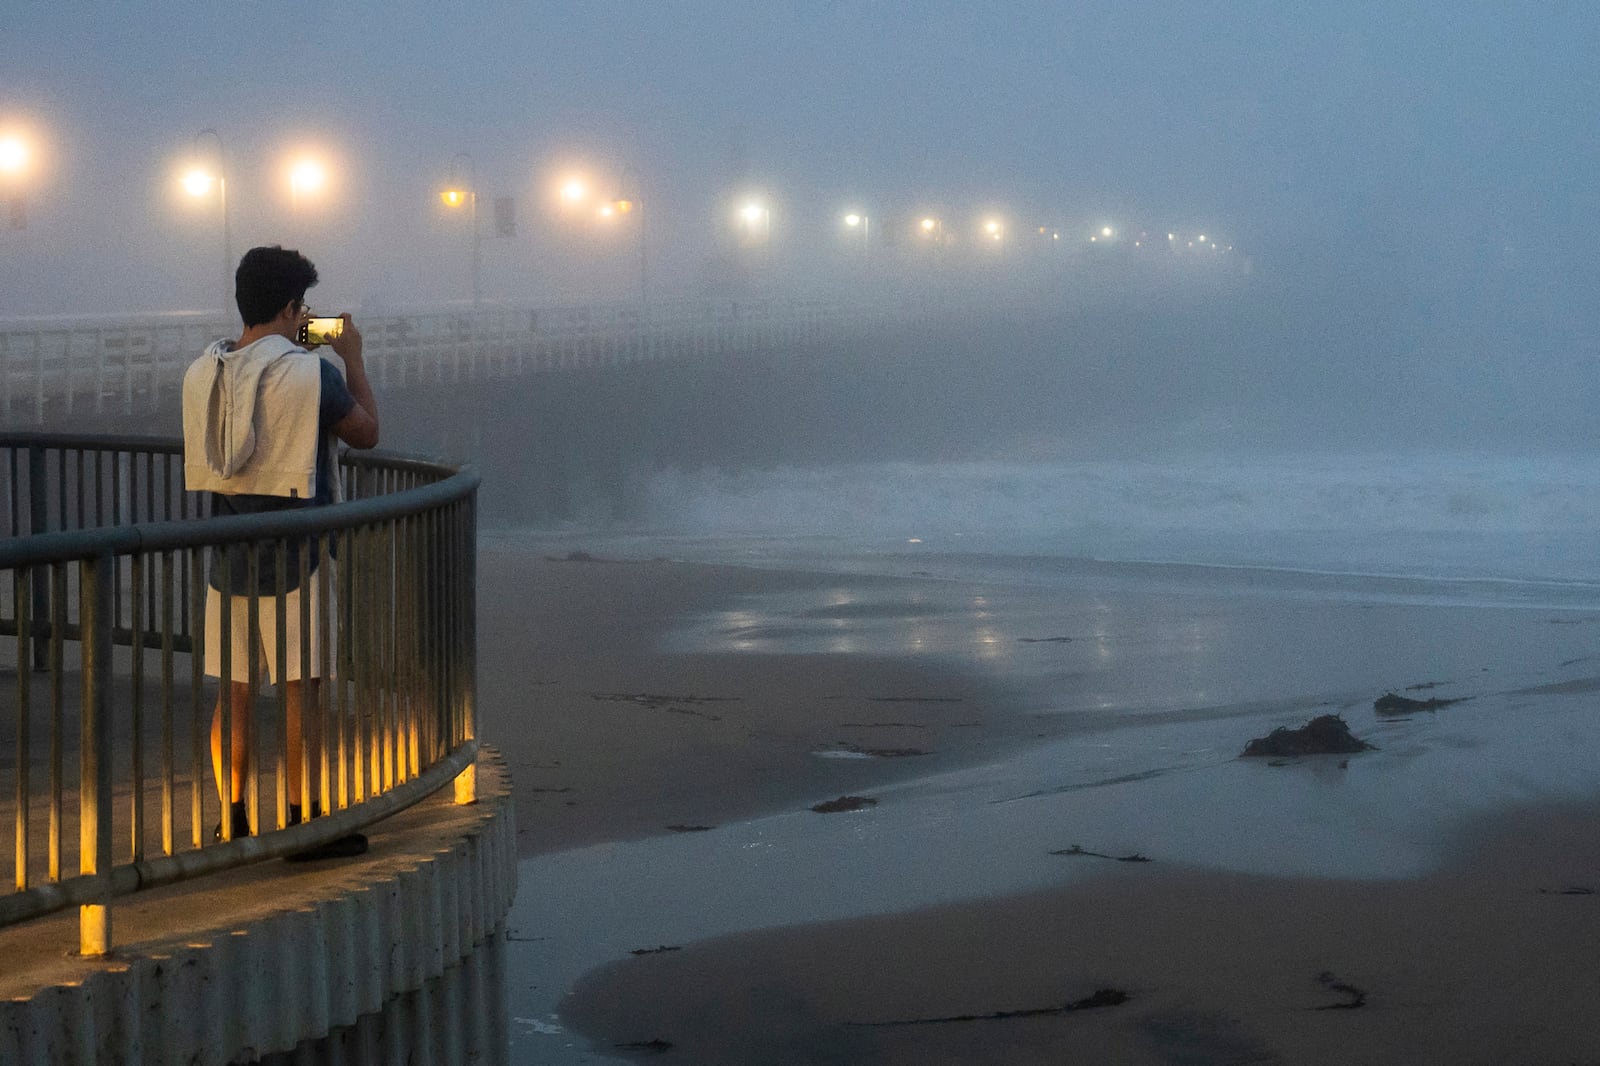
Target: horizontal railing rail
[
  {"x": 114, "y": 722},
  {"x": 57, "y": 369}
]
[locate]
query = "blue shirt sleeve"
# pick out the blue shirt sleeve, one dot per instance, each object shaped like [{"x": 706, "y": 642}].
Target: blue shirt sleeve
[{"x": 336, "y": 399}]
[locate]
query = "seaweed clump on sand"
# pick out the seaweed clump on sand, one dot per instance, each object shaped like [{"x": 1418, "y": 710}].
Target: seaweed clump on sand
[
  {"x": 1325, "y": 735},
  {"x": 1389, "y": 703}
]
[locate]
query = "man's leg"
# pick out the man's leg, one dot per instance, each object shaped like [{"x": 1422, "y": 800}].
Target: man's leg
[
  {"x": 239, "y": 743},
  {"x": 232, "y": 795},
  {"x": 303, "y": 727}
]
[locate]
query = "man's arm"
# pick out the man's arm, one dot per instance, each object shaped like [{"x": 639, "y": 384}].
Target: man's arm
[{"x": 359, "y": 428}]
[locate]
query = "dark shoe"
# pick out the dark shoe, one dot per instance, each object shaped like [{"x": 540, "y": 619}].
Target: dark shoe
[{"x": 241, "y": 822}]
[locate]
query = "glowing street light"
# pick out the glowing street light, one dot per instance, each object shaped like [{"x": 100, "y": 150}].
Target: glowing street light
[
  {"x": 574, "y": 192},
  {"x": 994, "y": 229},
  {"x": 457, "y": 195},
  {"x": 14, "y": 156},
  {"x": 308, "y": 176},
  {"x": 621, "y": 206},
  {"x": 198, "y": 182},
  {"x": 857, "y": 221},
  {"x": 756, "y": 221}
]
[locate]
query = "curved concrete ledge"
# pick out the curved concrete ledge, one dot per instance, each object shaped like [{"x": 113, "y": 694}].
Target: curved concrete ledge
[{"x": 271, "y": 958}]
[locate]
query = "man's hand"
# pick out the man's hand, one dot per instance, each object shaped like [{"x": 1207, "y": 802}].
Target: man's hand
[
  {"x": 348, "y": 343},
  {"x": 359, "y": 428}
]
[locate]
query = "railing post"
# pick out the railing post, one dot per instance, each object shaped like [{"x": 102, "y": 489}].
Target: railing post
[
  {"x": 38, "y": 520},
  {"x": 465, "y": 623},
  {"x": 96, "y": 580}
]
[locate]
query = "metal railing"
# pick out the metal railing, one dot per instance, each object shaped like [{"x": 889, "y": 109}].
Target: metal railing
[
  {"x": 52, "y": 371},
  {"x": 103, "y": 587}
]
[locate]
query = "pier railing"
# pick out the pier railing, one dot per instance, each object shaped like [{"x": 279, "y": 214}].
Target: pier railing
[
  {"x": 106, "y": 779},
  {"x": 58, "y": 369}
]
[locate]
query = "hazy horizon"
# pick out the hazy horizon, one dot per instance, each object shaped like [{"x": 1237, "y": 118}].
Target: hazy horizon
[{"x": 1410, "y": 189}]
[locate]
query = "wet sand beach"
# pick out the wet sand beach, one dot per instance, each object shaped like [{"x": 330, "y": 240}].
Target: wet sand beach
[{"x": 1035, "y": 873}]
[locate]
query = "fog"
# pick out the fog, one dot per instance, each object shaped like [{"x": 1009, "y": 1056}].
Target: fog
[{"x": 1402, "y": 196}]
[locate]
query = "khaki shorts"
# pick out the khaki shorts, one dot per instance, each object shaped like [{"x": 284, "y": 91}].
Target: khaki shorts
[{"x": 267, "y": 616}]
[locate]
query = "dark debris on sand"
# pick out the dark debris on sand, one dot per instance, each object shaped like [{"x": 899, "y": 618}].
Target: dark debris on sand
[
  {"x": 845, "y": 803},
  {"x": 1358, "y": 998},
  {"x": 649, "y": 1047},
  {"x": 1077, "y": 850},
  {"x": 1325, "y": 735},
  {"x": 1389, "y": 703},
  {"x": 1104, "y": 997}
]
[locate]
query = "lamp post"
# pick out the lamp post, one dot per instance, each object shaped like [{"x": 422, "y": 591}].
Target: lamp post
[
  {"x": 15, "y": 155},
  {"x": 455, "y": 197},
  {"x": 306, "y": 176},
  {"x": 855, "y": 220},
  {"x": 757, "y": 221},
  {"x": 198, "y": 183},
  {"x": 623, "y": 206}
]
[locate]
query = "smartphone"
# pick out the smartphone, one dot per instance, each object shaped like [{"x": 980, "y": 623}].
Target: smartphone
[{"x": 320, "y": 331}]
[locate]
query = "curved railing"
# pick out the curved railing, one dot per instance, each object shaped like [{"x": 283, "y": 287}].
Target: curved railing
[{"x": 107, "y": 775}]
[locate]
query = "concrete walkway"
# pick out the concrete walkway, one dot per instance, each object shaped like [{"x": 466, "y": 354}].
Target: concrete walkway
[{"x": 258, "y": 960}]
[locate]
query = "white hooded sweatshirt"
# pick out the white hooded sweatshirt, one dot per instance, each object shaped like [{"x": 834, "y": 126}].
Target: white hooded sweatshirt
[{"x": 250, "y": 419}]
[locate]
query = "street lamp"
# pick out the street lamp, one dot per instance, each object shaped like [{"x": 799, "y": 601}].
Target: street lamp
[
  {"x": 455, "y": 196},
  {"x": 855, "y": 220},
  {"x": 994, "y": 229},
  {"x": 622, "y": 205},
  {"x": 932, "y": 229},
  {"x": 15, "y": 157},
  {"x": 574, "y": 192},
  {"x": 198, "y": 183},
  {"x": 306, "y": 176},
  {"x": 756, "y": 220}
]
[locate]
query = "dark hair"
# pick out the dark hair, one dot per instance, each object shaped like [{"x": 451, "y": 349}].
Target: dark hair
[{"x": 268, "y": 279}]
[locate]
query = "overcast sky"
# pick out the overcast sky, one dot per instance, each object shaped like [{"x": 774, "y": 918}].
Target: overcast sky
[{"x": 1450, "y": 141}]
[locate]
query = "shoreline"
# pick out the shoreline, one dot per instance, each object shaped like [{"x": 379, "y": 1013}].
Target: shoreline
[
  {"x": 609, "y": 738},
  {"x": 1485, "y": 960},
  {"x": 662, "y": 802}
]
